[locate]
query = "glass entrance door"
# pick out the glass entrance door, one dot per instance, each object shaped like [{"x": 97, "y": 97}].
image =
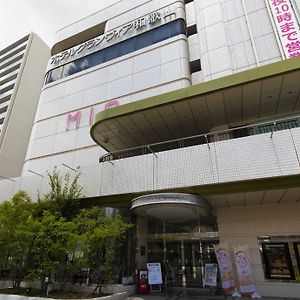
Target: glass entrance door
[{"x": 182, "y": 261}]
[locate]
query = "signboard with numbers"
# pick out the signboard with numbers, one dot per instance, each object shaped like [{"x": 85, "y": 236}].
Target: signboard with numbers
[{"x": 287, "y": 26}]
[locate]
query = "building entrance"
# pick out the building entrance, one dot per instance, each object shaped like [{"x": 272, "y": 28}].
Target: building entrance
[
  {"x": 183, "y": 261},
  {"x": 178, "y": 231}
]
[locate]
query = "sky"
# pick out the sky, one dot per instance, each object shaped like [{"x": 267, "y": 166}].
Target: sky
[{"x": 44, "y": 17}]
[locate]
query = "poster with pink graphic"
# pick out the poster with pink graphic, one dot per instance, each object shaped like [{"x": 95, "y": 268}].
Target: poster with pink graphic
[
  {"x": 244, "y": 270},
  {"x": 225, "y": 266},
  {"x": 287, "y": 26}
]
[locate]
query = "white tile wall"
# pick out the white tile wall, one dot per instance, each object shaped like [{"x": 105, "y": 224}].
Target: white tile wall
[
  {"x": 213, "y": 14},
  {"x": 247, "y": 158},
  {"x": 190, "y": 14},
  {"x": 215, "y": 36}
]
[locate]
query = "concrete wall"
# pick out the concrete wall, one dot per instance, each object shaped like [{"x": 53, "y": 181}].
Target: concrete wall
[{"x": 242, "y": 226}]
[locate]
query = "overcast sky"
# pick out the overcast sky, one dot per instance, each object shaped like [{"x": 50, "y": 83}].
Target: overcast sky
[{"x": 44, "y": 17}]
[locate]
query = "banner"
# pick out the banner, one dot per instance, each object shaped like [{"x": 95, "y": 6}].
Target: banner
[
  {"x": 210, "y": 274},
  {"x": 287, "y": 26},
  {"x": 225, "y": 266},
  {"x": 244, "y": 270}
]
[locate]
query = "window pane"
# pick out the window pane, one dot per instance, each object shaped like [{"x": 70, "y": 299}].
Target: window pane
[
  {"x": 126, "y": 46},
  {"x": 144, "y": 40},
  {"x": 162, "y": 33},
  {"x": 110, "y": 53},
  {"x": 54, "y": 74}
]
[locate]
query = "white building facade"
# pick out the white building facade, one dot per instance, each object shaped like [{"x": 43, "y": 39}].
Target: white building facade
[
  {"x": 185, "y": 114},
  {"x": 20, "y": 86}
]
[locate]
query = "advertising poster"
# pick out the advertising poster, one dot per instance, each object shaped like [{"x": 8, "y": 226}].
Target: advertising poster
[
  {"x": 278, "y": 261},
  {"x": 154, "y": 273},
  {"x": 210, "y": 274},
  {"x": 225, "y": 266},
  {"x": 244, "y": 269},
  {"x": 297, "y": 253}
]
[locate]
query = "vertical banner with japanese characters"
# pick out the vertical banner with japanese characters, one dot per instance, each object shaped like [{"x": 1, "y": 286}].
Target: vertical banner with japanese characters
[
  {"x": 287, "y": 26},
  {"x": 225, "y": 266},
  {"x": 244, "y": 270}
]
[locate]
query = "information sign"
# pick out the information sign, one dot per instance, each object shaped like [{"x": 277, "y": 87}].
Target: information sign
[{"x": 154, "y": 273}]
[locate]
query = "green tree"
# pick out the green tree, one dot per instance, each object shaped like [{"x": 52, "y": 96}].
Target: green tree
[
  {"x": 101, "y": 236},
  {"x": 63, "y": 197},
  {"x": 15, "y": 236},
  {"x": 54, "y": 248}
]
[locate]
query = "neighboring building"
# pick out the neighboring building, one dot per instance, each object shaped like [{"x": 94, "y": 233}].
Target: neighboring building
[
  {"x": 196, "y": 108},
  {"x": 22, "y": 67}
]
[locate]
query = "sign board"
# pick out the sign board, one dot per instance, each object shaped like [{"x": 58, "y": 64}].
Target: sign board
[
  {"x": 287, "y": 26},
  {"x": 154, "y": 273},
  {"x": 278, "y": 261},
  {"x": 225, "y": 266},
  {"x": 244, "y": 269},
  {"x": 210, "y": 274}
]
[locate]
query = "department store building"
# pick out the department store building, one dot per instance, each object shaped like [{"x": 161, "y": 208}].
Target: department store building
[{"x": 183, "y": 115}]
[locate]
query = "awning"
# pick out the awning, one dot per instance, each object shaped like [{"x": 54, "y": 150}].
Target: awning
[{"x": 262, "y": 93}]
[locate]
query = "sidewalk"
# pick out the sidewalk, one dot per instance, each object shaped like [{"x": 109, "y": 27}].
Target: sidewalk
[{"x": 194, "y": 295}]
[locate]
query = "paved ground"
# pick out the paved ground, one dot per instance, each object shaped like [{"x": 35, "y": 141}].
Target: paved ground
[{"x": 191, "y": 295}]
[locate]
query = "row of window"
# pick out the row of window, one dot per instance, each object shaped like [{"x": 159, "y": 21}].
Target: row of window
[{"x": 138, "y": 42}]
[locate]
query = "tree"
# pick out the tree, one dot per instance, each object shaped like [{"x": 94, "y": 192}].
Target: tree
[
  {"x": 63, "y": 197},
  {"x": 101, "y": 236},
  {"x": 15, "y": 236},
  {"x": 55, "y": 238}
]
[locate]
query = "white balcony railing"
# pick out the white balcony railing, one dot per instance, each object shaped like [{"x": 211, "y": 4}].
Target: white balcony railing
[{"x": 251, "y": 157}]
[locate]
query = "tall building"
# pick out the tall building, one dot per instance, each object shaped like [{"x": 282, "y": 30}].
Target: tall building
[
  {"x": 185, "y": 116},
  {"x": 22, "y": 67}
]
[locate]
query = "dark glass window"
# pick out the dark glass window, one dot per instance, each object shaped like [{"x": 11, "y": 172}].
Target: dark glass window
[
  {"x": 126, "y": 47},
  {"x": 110, "y": 53},
  {"x": 136, "y": 43},
  {"x": 144, "y": 40},
  {"x": 162, "y": 34}
]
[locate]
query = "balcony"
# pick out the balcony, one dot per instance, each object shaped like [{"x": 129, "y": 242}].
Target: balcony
[{"x": 257, "y": 162}]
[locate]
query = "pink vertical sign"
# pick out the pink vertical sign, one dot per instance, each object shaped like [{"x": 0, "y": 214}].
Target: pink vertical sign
[{"x": 287, "y": 26}]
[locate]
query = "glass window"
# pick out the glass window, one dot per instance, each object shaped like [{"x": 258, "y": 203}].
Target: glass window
[
  {"x": 144, "y": 40},
  {"x": 161, "y": 33},
  {"x": 140, "y": 41},
  {"x": 54, "y": 75},
  {"x": 110, "y": 53},
  {"x": 126, "y": 47},
  {"x": 178, "y": 28}
]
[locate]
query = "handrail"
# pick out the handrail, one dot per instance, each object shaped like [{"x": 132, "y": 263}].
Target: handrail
[{"x": 206, "y": 138}]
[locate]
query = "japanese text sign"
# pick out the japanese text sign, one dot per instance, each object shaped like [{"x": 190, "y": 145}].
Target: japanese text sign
[{"x": 287, "y": 26}]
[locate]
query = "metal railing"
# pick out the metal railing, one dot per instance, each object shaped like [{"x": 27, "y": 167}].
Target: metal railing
[{"x": 206, "y": 138}]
